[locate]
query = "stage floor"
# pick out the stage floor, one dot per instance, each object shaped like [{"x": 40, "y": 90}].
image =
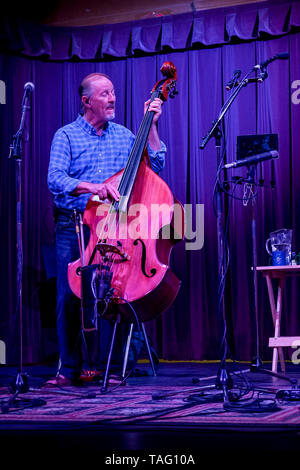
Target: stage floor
[{"x": 179, "y": 410}]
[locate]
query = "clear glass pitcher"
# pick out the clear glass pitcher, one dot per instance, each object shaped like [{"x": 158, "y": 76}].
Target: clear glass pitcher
[{"x": 281, "y": 242}]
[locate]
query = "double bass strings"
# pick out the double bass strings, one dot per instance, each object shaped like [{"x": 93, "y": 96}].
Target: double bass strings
[
  {"x": 132, "y": 165},
  {"x": 129, "y": 173}
]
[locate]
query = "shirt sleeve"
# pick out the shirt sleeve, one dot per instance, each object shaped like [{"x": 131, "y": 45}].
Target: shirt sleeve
[
  {"x": 157, "y": 157},
  {"x": 59, "y": 181}
]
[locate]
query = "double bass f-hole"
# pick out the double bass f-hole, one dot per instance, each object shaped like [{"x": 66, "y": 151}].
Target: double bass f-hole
[{"x": 143, "y": 258}]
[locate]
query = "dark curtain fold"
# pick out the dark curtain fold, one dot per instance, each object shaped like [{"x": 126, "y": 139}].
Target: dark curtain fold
[
  {"x": 190, "y": 328},
  {"x": 212, "y": 27}
]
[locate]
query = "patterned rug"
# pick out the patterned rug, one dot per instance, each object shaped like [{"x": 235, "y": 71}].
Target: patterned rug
[{"x": 154, "y": 405}]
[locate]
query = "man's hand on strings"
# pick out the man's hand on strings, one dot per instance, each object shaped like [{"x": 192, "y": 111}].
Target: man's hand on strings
[{"x": 103, "y": 190}]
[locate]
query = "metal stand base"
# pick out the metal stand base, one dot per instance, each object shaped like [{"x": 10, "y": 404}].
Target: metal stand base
[
  {"x": 257, "y": 366},
  {"x": 19, "y": 386},
  {"x": 128, "y": 343},
  {"x": 129, "y": 338}
]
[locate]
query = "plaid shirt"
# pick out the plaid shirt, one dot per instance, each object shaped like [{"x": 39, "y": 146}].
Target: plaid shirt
[{"x": 79, "y": 154}]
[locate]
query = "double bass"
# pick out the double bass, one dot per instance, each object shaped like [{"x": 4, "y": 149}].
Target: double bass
[{"x": 131, "y": 239}]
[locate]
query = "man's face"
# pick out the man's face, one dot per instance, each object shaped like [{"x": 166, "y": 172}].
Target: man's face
[{"x": 102, "y": 99}]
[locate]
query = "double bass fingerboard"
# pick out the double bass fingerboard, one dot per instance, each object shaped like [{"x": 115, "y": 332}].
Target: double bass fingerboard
[{"x": 132, "y": 166}]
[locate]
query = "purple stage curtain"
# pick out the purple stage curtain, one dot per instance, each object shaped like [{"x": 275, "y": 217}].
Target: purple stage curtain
[
  {"x": 190, "y": 329},
  {"x": 206, "y": 28}
]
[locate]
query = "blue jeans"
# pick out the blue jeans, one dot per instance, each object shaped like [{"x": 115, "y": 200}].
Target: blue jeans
[{"x": 69, "y": 329}]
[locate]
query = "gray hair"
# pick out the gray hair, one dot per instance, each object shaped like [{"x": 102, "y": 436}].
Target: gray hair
[{"x": 85, "y": 87}]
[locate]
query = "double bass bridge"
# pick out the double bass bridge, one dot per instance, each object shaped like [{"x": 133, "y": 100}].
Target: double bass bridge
[{"x": 107, "y": 249}]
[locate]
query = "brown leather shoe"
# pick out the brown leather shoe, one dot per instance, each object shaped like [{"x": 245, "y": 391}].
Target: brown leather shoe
[{"x": 58, "y": 381}]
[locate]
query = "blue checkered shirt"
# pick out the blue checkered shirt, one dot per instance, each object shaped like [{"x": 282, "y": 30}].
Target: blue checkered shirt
[{"x": 79, "y": 154}]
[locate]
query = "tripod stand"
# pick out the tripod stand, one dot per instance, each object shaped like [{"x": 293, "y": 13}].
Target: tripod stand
[
  {"x": 96, "y": 296},
  {"x": 20, "y": 384}
]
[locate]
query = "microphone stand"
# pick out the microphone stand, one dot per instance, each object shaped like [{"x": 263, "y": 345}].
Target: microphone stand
[
  {"x": 223, "y": 380},
  {"x": 223, "y": 377},
  {"x": 21, "y": 381}
]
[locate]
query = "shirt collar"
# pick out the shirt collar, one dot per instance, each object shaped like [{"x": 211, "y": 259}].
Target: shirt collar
[{"x": 87, "y": 126}]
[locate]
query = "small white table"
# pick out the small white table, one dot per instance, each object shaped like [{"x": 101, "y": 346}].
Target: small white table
[{"x": 277, "y": 342}]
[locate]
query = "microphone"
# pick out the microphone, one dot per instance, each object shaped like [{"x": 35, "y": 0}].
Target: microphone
[
  {"x": 265, "y": 63},
  {"x": 262, "y": 67},
  {"x": 28, "y": 87},
  {"x": 232, "y": 82},
  {"x": 253, "y": 160}
]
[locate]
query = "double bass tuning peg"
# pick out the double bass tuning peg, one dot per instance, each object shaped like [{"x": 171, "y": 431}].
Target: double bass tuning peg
[{"x": 173, "y": 93}]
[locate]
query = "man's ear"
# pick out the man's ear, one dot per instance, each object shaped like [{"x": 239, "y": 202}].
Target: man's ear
[{"x": 85, "y": 99}]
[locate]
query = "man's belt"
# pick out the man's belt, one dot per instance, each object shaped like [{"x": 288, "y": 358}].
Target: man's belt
[{"x": 66, "y": 212}]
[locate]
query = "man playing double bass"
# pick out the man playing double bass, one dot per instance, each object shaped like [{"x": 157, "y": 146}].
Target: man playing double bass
[{"x": 84, "y": 154}]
